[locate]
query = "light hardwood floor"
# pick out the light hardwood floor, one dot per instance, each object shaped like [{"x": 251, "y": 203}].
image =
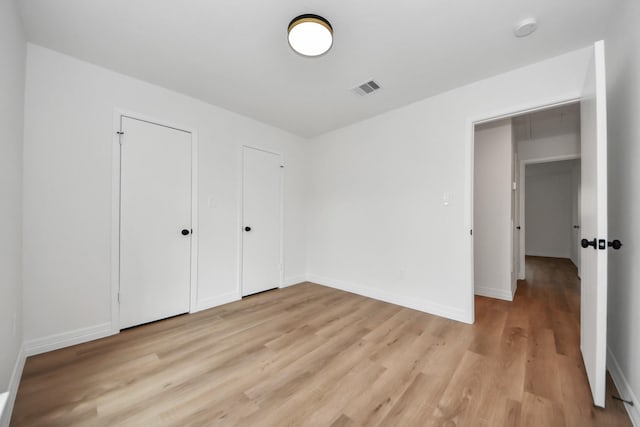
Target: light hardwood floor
[{"x": 311, "y": 355}]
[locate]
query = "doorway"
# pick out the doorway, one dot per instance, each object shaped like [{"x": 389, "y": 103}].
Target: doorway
[
  {"x": 593, "y": 219},
  {"x": 261, "y": 220},
  {"x": 551, "y": 217},
  {"x": 543, "y": 147},
  {"x": 156, "y": 224}
]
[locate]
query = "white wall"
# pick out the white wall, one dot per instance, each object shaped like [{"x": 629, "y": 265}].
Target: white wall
[
  {"x": 377, "y": 221},
  {"x": 69, "y": 130},
  {"x": 12, "y": 52},
  {"x": 493, "y": 168},
  {"x": 548, "y": 206},
  {"x": 623, "y": 77}
]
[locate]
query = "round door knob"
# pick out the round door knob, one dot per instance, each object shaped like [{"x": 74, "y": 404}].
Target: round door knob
[
  {"x": 586, "y": 243},
  {"x": 185, "y": 232},
  {"x": 247, "y": 228},
  {"x": 616, "y": 244}
]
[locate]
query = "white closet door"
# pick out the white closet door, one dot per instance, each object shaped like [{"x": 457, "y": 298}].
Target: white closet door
[
  {"x": 155, "y": 222},
  {"x": 261, "y": 197}
]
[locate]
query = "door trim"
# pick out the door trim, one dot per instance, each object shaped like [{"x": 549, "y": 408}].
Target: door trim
[
  {"x": 241, "y": 215},
  {"x": 471, "y": 122},
  {"x": 118, "y": 114}
]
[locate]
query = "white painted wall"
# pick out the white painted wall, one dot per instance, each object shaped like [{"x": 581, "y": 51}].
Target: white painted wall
[
  {"x": 623, "y": 76},
  {"x": 68, "y": 191},
  {"x": 12, "y": 52},
  {"x": 377, "y": 221},
  {"x": 492, "y": 236},
  {"x": 548, "y": 206}
]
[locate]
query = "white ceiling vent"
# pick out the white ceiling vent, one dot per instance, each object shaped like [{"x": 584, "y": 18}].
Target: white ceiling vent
[{"x": 366, "y": 88}]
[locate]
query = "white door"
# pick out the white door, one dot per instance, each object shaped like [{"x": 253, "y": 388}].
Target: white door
[
  {"x": 593, "y": 313},
  {"x": 155, "y": 222},
  {"x": 261, "y": 202}
]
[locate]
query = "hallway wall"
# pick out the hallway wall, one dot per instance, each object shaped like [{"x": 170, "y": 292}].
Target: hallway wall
[{"x": 493, "y": 166}]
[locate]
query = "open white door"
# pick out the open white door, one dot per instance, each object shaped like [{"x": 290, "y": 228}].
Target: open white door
[{"x": 593, "y": 313}]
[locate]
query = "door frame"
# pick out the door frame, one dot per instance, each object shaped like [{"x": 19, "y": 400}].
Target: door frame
[
  {"x": 241, "y": 214},
  {"x": 469, "y": 168},
  {"x": 118, "y": 114},
  {"x": 522, "y": 184}
]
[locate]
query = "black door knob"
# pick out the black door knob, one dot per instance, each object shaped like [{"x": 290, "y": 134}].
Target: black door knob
[
  {"x": 247, "y": 228},
  {"x": 185, "y": 232},
  {"x": 586, "y": 243},
  {"x": 616, "y": 244}
]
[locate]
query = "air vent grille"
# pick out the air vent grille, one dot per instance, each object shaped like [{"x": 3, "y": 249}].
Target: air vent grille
[{"x": 366, "y": 88}]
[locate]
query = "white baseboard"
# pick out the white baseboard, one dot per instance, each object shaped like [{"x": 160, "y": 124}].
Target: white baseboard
[
  {"x": 494, "y": 293},
  {"x": 548, "y": 255},
  {"x": 293, "y": 281},
  {"x": 419, "y": 304},
  {"x": 624, "y": 388},
  {"x": 207, "y": 303},
  {"x": 67, "y": 339},
  {"x": 14, "y": 382}
]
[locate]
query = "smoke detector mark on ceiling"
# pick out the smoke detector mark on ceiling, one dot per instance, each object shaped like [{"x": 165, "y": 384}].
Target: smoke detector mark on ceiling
[
  {"x": 366, "y": 88},
  {"x": 525, "y": 28}
]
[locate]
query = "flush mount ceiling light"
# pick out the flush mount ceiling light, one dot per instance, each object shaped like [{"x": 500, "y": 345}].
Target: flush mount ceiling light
[
  {"x": 525, "y": 28},
  {"x": 310, "y": 35}
]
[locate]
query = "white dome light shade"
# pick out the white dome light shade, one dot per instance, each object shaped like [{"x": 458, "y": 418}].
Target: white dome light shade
[{"x": 310, "y": 35}]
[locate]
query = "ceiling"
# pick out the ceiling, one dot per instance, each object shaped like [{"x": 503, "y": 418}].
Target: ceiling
[{"x": 235, "y": 54}]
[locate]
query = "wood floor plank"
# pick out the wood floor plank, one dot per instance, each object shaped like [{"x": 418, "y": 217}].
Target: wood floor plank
[
  {"x": 538, "y": 411},
  {"x": 461, "y": 399},
  {"x": 413, "y": 406},
  {"x": 542, "y": 376},
  {"x": 312, "y": 355}
]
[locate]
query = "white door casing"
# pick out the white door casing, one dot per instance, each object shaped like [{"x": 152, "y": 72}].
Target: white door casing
[
  {"x": 261, "y": 220},
  {"x": 515, "y": 200},
  {"x": 593, "y": 313},
  {"x": 155, "y": 208}
]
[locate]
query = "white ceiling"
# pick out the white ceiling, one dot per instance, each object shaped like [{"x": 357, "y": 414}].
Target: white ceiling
[{"x": 235, "y": 54}]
